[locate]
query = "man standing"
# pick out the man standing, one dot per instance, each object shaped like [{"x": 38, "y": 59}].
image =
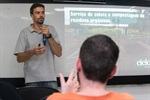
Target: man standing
[{"x": 36, "y": 47}]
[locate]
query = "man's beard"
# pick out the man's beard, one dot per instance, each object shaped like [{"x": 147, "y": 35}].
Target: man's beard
[{"x": 40, "y": 21}]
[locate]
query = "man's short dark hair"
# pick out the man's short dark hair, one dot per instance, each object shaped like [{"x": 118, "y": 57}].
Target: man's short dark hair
[
  {"x": 35, "y": 5},
  {"x": 98, "y": 55}
]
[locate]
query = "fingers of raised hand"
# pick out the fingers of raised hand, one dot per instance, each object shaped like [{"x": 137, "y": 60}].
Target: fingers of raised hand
[
  {"x": 62, "y": 80},
  {"x": 72, "y": 84},
  {"x": 71, "y": 76}
]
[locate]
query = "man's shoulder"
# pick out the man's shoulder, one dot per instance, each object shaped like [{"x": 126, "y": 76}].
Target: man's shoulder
[
  {"x": 54, "y": 96},
  {"x": 27, "y": 29},
  {"x": 59, "y": 96},
  {"x": 123, "y": 95}
]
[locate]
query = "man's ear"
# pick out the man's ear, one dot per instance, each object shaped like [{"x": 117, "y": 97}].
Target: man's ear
[
  {"x": 78, "y": 64},
  {"x": 113, "y": 72}
]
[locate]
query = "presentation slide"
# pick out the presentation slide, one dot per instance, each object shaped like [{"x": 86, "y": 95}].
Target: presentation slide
[{"x": 128, "y": 26}]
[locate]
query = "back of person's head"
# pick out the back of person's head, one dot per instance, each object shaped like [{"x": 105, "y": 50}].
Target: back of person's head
[
  {"x": 98, "y": 55},
  {"x": 35, "y": 5}
]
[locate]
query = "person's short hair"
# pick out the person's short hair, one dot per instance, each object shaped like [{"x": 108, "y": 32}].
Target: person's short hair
[
  {"x": 35, "y": 5},
  {"x": 98, "y": 55}
]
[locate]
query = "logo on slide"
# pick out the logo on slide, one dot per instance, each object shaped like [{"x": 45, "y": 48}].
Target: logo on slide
[{"x": 144, "y": 62}]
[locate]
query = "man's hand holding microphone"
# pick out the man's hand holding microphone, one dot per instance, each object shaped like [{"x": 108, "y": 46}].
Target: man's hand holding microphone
[{"x": 41, "y": 49}]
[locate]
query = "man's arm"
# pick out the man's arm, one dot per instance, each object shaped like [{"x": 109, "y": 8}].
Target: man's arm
[
  {"x": 55, "y": 47},
  {"x": 24, "y": 56}
]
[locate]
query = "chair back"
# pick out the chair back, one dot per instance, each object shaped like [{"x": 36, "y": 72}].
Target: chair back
[{"x": 35, "y": 93}]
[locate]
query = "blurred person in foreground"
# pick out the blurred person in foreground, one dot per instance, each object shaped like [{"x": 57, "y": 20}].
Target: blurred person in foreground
[
  {"x": 8, "y": 91},
  {"x": 95, "y": 66}
]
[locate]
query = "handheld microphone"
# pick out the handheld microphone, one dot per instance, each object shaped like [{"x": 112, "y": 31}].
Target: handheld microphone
[{"x": 44, "y": 39}]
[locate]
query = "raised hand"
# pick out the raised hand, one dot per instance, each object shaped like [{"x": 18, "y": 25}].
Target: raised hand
[{"x": 72, "y": 84}]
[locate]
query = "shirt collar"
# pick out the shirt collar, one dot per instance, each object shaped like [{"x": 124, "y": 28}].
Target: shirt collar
[{"x": 31, "y": 29}]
